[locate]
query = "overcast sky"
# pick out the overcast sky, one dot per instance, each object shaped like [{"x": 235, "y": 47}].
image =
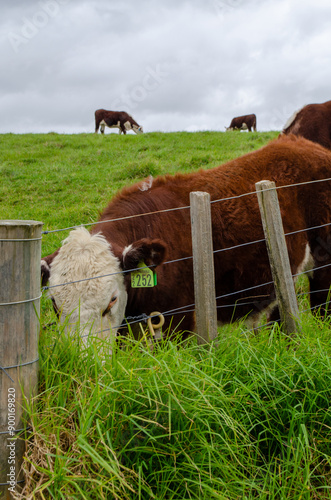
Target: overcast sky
[{"x": 173, "y": 65}]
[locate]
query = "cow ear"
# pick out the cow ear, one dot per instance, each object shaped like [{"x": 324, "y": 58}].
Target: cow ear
[
  {"x": 45, "y": 265},
  {"x": 151, "y": 252}
]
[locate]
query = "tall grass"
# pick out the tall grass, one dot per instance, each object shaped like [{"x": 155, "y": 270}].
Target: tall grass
[{"x": 243, "y": 418}]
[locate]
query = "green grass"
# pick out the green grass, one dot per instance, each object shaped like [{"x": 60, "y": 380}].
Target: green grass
[
  {"x": 66, "y": 180},
  {"x": 246, "y": 417}
]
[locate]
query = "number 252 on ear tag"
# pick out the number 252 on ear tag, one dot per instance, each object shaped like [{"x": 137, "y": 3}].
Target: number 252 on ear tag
[{"x": 143, "y": 278}]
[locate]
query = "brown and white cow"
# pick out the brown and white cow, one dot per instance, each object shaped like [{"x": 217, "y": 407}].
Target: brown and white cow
[
  {"x": 312, "y": 122},
  {"x": 243, "y": 123},
  {"x": 139, "y": 226},
  {"x": 118, "y": 119}
]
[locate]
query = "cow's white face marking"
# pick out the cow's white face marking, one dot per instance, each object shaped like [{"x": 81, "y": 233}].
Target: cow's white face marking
[
  {"x": 137, "y": 130},
  {"x": 97, "y": 304}
]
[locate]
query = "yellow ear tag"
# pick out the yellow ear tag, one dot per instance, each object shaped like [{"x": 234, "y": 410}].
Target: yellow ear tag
[{"x": 143, "y": 277}]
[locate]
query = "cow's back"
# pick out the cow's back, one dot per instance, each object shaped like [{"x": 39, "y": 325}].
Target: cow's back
[{"x": 313, "y": 122}]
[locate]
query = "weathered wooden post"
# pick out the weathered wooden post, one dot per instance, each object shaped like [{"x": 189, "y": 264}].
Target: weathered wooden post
[
  {"x": 203, "y": 263},
  {"x": 278, "y": 255},
  {"x": 20, "y": 252}
]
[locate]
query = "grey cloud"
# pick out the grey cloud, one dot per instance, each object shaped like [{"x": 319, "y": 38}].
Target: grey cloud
[{"x": 174, "y": 65}]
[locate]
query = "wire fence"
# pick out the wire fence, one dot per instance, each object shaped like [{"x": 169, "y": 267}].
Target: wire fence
[
  {"x": 191, "y": 307},
  {"x": 182, "y": 208}
]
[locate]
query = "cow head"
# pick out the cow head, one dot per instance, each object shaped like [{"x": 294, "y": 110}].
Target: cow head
[
  {"x": 137, "y": 129},
  {"x": 87, "y": 284}
]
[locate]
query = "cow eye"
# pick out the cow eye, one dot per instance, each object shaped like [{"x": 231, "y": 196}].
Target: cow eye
[{"x": 113, "y": 301}]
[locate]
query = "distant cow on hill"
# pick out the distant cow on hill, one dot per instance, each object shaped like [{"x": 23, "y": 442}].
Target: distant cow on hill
[
  {"x": 139, "y": 227},
  {"x": 118, "y": 119},
  {"x": 243, "y": 123},
  {"x": 312, "y": 122}
]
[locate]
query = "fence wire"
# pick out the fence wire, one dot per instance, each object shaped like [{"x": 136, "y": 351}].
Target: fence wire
[
  {"x": 182, "y": 208},
  {"x": 188, "y": 258},
  {"x": 190, "y": 307},
  {"x": 183, "y": 310}
]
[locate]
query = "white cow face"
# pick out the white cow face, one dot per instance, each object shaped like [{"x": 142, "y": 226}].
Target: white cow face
[
  {"x": 97, "y": 305},
  {"x": 137, "y": 129}
]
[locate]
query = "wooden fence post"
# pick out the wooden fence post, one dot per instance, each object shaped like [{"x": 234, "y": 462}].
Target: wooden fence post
[
  {"x": 20, "y": 253},
  {"x": 278, "y": 255},
  {"x": 203, "y": 264}
]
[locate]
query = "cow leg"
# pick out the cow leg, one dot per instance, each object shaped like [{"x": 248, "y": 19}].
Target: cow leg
[
  {"x": 272, "y": 311},
  {"x": 102, "y": 128},
  {"x": 320, "y": 278},
  {"x": 320, "y": 290},
  {"x": 97, "y": 127},
  {"x": 274, "y": 316}
]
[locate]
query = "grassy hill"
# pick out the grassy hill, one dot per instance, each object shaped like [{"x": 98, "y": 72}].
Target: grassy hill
[
  {"x": 65, "y": 180},
  {"x": 246, "y": 417}
]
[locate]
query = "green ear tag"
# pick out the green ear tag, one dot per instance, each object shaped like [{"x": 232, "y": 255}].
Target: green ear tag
[{"x": 143, "y": 278}]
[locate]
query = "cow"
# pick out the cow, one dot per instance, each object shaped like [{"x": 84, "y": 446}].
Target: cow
[
  {"x": 243, "y": 123},
  {"x": 118, "y": 119},
  {"x": 313, "y": 122},
  {"x": 148, "y": 224}
]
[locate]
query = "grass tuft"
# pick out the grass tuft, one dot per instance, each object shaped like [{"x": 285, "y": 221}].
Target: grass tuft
[{"x": 243, "y": 417}]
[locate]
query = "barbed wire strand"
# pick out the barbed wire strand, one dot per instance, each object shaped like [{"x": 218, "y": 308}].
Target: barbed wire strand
[
  {"x": 307, "y": 229},
  {"x": 183, "y": 310},
  {"x": 117, "y": 219},
  {"x": 183, "y": 208},
  {"x": 311, "y": 270},
  {"x": 181, "y": 259}
]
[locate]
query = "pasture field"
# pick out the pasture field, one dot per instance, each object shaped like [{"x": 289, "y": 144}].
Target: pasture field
[
  {"x": 66, "y": 180},
  {"x": 245, "y": 417}
]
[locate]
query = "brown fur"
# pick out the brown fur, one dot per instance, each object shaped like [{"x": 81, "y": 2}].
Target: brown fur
[
  {"x": 314, "y": 123},
  {"x": 249, "y": 120},
  {"x": 288, "y": 160}
]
